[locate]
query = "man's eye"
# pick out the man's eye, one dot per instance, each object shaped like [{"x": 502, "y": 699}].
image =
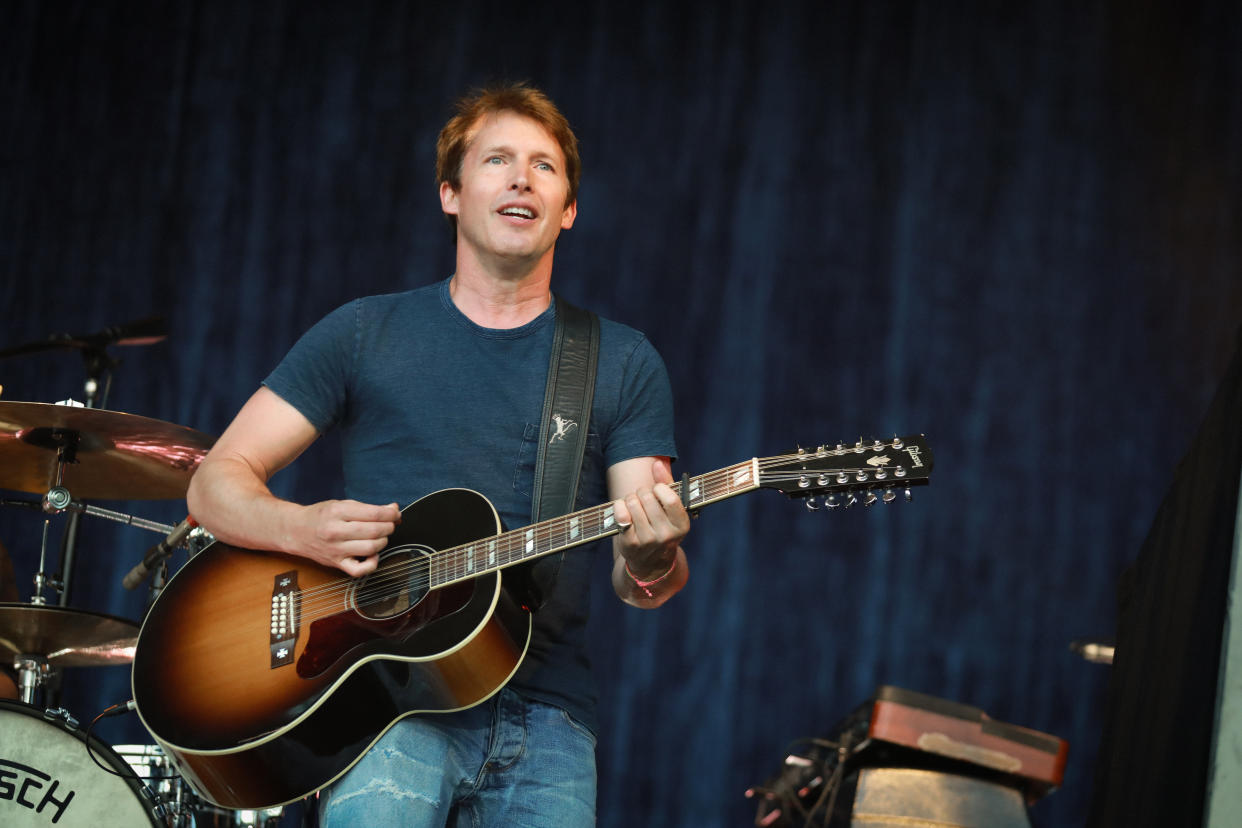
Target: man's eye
[
  {"x": 495, "y": 159},
  {"x": 545, "y": 166}
]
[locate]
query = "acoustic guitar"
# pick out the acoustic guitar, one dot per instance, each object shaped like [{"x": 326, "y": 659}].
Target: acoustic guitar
[{"x": 265, "y": 676}]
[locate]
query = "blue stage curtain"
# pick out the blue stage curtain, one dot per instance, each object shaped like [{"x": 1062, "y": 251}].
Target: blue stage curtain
[{"x": 1012, "y": 227}]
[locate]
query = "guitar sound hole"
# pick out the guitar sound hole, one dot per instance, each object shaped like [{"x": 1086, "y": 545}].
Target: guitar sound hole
[{"x": 396, "y": 585}]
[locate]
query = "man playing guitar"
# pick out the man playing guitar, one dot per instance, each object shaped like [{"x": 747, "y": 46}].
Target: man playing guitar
[{"x": 441, "y": 387}]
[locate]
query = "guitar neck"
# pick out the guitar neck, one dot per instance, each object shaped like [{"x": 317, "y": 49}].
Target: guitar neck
[
  {"x": 862, "y": 467},
  {"x": 485, "y": 555}
]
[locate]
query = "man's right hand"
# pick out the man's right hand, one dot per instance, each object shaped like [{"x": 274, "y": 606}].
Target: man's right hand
[
  {"x": 345, "y": 534},
  {"x": 229, "y": 496}
]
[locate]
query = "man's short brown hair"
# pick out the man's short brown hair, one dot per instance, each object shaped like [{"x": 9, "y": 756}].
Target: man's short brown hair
[{"x": 520, "y": 98}]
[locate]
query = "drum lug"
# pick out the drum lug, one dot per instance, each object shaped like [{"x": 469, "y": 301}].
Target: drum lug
[{"x": 60, "y": 713}]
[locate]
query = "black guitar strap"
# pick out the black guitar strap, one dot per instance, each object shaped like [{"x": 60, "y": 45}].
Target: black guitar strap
[{"x": 566, "y": 412}]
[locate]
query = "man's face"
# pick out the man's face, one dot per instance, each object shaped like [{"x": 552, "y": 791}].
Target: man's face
[{"x": 511, "y": 204}]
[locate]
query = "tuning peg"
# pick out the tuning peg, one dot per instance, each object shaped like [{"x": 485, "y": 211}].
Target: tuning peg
[
  {"x": 909, "y": 496},
  {"x": 810, "y": 504},
  {"x": 831, "y": 501},
  {"x": 870, "y": 499},
  {"x": 889, "y": 496},
  {"x": 851, "y": 499}
]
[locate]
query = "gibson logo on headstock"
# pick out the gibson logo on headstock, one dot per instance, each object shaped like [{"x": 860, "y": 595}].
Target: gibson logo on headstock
[{"x": 913, "y": 451}]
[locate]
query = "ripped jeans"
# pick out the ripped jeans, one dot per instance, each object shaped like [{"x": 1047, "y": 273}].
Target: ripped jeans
[{"x": 509, "y": 761}]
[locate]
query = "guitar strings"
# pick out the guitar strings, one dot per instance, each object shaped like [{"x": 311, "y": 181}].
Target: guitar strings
[
  {"x": 383, "y": 584},
  {"x": 396, "y": 579},
  {"x": 413, "y": 576}
]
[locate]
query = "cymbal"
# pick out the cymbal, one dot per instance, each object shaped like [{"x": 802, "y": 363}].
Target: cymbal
[
  {"x": 116, "y": 456},
  {"x": 147, "y": 331},
  {"x": 66, "y": 637}
]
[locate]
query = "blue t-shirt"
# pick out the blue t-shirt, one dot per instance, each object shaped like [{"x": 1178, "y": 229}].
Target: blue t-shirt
[{"x": 429, "y": 400}]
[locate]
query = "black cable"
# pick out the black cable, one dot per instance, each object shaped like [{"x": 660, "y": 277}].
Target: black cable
[
  {"x": 790, "y": 788},
  {"x": 114, "y": 710},
  {"x": 161, "y": 808},
  {"x": 838, "y": 775}
]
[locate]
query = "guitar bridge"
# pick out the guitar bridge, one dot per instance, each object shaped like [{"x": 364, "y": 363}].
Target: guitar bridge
[{"x": 286, "y": 603}]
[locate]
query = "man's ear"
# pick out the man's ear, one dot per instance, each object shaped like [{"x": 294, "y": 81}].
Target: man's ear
[
  {"x": 568, "y": 216},
  {"x": 448, "y": 198}
]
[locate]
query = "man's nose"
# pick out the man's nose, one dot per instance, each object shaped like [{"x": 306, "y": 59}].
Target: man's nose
[{"x": 520, "y": 182}]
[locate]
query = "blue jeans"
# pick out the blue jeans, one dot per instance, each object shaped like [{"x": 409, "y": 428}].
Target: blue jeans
[{"x": 509, "y": 761}]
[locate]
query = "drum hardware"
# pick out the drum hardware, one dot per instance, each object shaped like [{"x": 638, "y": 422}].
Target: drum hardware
[
  {"x": 187, "y": 534},
  {"x": 58, "y": 500},
  {"x": 68, "y": 437},
  {"x": 38, "y": 640},
  {"x": 148, "y": 764},
  {"x": 33, "y": 672},
  {"x": 99, "y": 366},
  {"x": 175, "y": 802},
  {"x": 199, "y": 540},
  {"x": 53, "y": 450},
  {"x": 169, "y": 794}
]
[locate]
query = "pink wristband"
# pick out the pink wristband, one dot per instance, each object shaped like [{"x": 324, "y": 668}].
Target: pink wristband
[{"x": 645, "y": 585}]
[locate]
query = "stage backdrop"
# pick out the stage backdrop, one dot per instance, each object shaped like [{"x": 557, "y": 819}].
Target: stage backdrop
[{"x": 1012, "y": 227}]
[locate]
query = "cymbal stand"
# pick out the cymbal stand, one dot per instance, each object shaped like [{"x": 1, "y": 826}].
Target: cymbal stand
[
  {"x": 34, "y": 671},
  {"x": 40, "y": 580},
  {"x": 66, "y": 452},
  {"x": 98, "y": 368}
]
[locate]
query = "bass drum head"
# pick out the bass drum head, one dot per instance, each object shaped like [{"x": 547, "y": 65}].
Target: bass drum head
[{"x": 48, "y": 778}]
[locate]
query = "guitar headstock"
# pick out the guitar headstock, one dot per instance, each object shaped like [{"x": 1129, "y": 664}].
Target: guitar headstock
[{"x": 848, "y": 474}]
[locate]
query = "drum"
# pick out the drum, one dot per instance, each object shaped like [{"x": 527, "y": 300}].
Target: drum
[{"x": 47, "y": 775}]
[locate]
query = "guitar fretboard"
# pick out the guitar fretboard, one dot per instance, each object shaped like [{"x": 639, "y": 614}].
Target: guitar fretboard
[{"x": 472, "y": 559}]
